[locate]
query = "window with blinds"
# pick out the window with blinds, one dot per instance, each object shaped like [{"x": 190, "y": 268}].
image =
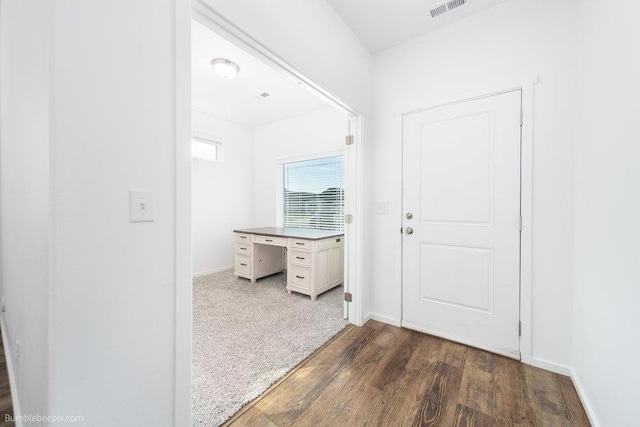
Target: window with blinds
[{"x": 311, "y": 194}]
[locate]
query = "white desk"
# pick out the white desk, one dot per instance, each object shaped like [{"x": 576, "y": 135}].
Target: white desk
[{"x": 314, "y": 259}]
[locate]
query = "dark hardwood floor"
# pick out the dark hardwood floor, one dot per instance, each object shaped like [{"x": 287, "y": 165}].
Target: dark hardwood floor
[
  {"x": 380, "y": 375},
  {"x": 5, "y": 392}
]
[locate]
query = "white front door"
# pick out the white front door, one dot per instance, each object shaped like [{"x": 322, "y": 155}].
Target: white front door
[{"x": 461, "y": 201}]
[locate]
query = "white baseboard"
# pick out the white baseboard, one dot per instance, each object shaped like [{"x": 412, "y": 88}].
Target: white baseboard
[
  {"x": 550, "y": 366},
  {"x": 584, "y": 399},
  {"x": 366, "y": 318},
  {"x": 15, "y": 403},
  {"x": 384, "y": 319},
  {"x": 215, "y": 270}
]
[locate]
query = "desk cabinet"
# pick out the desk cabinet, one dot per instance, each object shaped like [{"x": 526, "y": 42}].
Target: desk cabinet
[
  {"x": 313, "y": 265},
  {"x": 316, "y": 266},
  {"x": 258, "y": 256}
]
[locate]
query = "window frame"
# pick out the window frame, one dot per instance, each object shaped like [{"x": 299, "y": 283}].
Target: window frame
[
  {"x": 204, "y": 138},
  {"x": 280, "y": 179}
]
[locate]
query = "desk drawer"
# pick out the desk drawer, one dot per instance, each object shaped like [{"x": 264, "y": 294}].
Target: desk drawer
[
  {"x": 243, "y": 265},
  {"x": 243, "y": 248},
  {"x": 331, "y": 242},
  {"x": 269, "y": 240},
  {"x": 300, "y": 244},
  {"x": 301, "y": 277},
  {"x": 243, "y": 237},
  {"x": 300, "y": 257}
]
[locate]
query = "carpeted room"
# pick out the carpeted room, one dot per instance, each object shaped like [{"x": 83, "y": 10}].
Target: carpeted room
[
  {"x": 247, "y": 336},
  {"x": 266, "y": 153}
]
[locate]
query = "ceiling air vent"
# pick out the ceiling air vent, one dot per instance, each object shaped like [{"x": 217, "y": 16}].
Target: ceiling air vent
[
  {"x": 436, "y": 11},
  {"x": 446, "y": 7}
]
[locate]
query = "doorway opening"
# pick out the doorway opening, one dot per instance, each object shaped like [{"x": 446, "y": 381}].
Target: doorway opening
[{"x": 270, "y": 152}]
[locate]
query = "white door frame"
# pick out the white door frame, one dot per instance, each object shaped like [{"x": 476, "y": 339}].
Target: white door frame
[
  {"x": 526, "y": 85},
  {"x": 211, "y": 18}
]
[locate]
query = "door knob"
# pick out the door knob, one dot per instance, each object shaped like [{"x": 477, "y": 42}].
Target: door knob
[{"x": 408, "y": 230}]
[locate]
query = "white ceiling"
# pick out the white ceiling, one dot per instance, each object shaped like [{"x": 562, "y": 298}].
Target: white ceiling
[
  {"x": 239, "y": 99},
  {"x": 381, "y": 24}
]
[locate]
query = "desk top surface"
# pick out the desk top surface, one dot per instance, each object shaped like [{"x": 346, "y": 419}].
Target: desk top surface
[{"x": 298, "y": 233}]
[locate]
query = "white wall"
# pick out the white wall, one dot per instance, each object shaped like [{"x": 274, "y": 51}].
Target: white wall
[
  {"x": 112, "y": 128},
  {"x": 516, "y": 39},
  {"x": 318, "y": 132},
  {"x": 25, "y": 197},
  {"x": 222, "y": 193},
  {"x": 607, "y": 208}
]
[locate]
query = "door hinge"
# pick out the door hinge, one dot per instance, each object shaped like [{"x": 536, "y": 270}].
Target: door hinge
[
  {"x": 520, "y": 223},
  {"x": 349, "y": 140},
  {"x": 521, "y": 117},
  {"x": 519, "y": 328},
  {"x": 348, "y": 297},
  {"x": 348, "y": 218}
]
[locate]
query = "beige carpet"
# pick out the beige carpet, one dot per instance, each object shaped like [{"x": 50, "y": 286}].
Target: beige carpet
[{"x": 247, "y": 336}]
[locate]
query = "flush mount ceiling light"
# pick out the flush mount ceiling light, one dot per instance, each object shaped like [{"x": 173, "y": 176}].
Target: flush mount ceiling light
[{"x": 225, "y": 68}]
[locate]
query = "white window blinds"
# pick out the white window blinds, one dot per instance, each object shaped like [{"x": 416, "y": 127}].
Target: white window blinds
[{"x": 311, "y": 194}]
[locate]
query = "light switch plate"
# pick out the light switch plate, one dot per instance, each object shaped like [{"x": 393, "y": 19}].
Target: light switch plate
[
  {"x": 140, "y": 206},
  {"x": 382, "y": 208}
]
